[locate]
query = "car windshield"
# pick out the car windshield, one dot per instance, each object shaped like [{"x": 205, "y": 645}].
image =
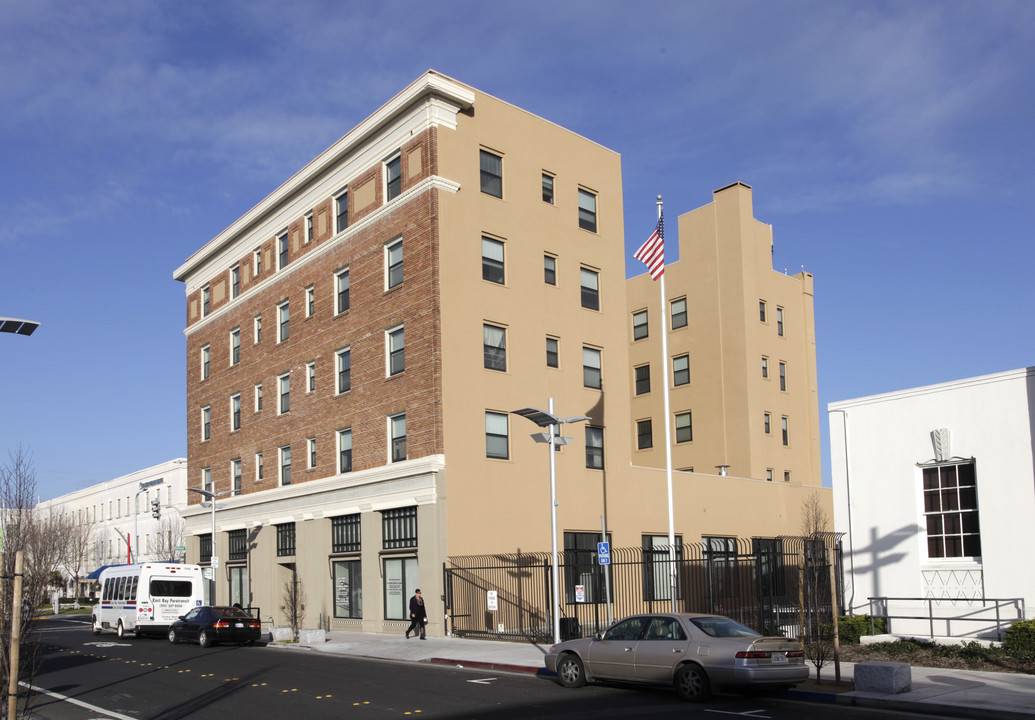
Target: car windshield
[{"x": 722, "y": 627}]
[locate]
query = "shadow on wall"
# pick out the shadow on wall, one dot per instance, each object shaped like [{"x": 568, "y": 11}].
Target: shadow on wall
[{"x": 881, "y": 554}]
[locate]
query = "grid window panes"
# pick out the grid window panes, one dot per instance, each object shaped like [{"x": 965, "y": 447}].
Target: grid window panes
[
  {"x": 657, "y": 566},
  {"x": 341, "y": 205},
  {"x": 345, "y": 450},
  {"x": 285, "y": 464},
  {"x": 678, "y": 313},
  {"x": 644, "y": 434},
  {"x": 591, "y": 375},
  {"x": 399, "y": 528},
  {"x": 681, "y": 370},
  {"x": 237, "y": 540},
  {"x": 348, "y": 589},
  {"x": 587, "y": 210},
  {"x": 395, "y": 345},
  {"x": 206, "y": 298},
  {"x": 309, "y": 227},
  {"x": 494, "y": 343},
  {"x": 257, "y": 262},
  {"x": 206, "y": 423},
  {"x": 344, "y": 363},
  {"x": 393, "y": 178},
  {"x": 548, "y": 188},
  {"x": 951, "y": 511},
  {"x": 235, "y": 346},
  {"x": 285, "y": 539},
  {"x": 642, "y": 374},
  {"x": 684, "y": 427},
  {"x": 492, "y": 260},
  {"x": 549, "y": 269},
  {"x": 594, "y": 448},
  {"x": 235, "y": 281},
  {"x": 640, "y": 329},
  {"x": 205, "y": 548},
  {"x": 590, "y": 288},
  {"x": 341, "y": 291},
  {"x": 496, "y": 440},
  {"x": 491, "y": 173},
  {"x": 582, "y": 568},
  {"x": 552, "y": 352},
  {"x": 393, "y": 264},
  {"x": 397, "y": 436}
]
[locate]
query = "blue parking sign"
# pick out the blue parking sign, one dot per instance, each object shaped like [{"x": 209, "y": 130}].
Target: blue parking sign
[{"x": 604, "y": 553}]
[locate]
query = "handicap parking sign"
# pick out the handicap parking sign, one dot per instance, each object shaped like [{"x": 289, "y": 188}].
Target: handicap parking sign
[{"x": 604, "y": 553}]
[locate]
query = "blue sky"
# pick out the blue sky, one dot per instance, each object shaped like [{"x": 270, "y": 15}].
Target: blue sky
[{"x": 889, "y": 144}]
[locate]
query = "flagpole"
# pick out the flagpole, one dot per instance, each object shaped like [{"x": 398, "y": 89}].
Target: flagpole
[{"x": 673, "y": 576}]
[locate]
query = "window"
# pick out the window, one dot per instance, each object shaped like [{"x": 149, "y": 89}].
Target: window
[
  {"x": 779, "y": 321},
  {"x": 399, "y": 528},
  {"x": 345, "y": 534},
  {"x": 206, "y": 484},
  {"x": 235, "y": 346},
  {"x": 684, "y": 427},
  {"x": 582, "y": 568},
  {"x": 496, "y": 438},
  {"x": 552, "y": 352},
  {"x": 761, "y": 310},
  {"x": 768, "y": 474},
  {"x": 951, "y": 511},
  {"x": 206, "y": 357},
  {"x": 397, "y": 437},
  {"x": 310, "y": 454},
  {"x": 286, "y": 539},
  {"x": 309, "y": 227},
  {"x": 235, "y": 281},
  {"x": 657, "y": 566},
  {"x": 594, "y": 448},
  {"x": 587, "y": 210},
  {"x": 285, "y": 464},
  {"x": 283, "y": 321},
  {"x": 235, "y": 475},
  {"x": 549, "y": 269},
  {"x": 642, "y": 374},
  {"x": 282, "y": 251},
  {"x": 767, "y": 422},
  {"x": 341, "y": 291},
  {"x": 257, "y": 328},
  {"x": 769, "y": 566},
  {"x": 783, "y": 376},
  {"x": 393, "y": 178},
  {"x": 237, "y": 540},
  {"x": 204, "y": 548},
  {"x": 720, "y": 560},
  {"x": 395, "y": 345},
  {"x": 678, "y": 313},
  {"x": 393, "y": 264},
  {"x": 401, "y": 580},
  {"x": 258, "y": 397},
  {"x": 344, "y": 363},
  {"x": 765, "y": 367},
  {"x": 235, "y": 412},
  {"x": 206, "y": 297},
  {"x": 786, "y": 438},
  {"x": 644, "y": 434},
  {"x": 640, "y": 329},
  {"x": 591, "y": 376},
  {"x": 345, "y": 450},
  {"x": 310, "y": 376},
  {"x": 310, "y": 301},
  {"x": 206, "y": 423},
  {"x": 348, "y": 589},
  {"x": 341, "y": 206},
  {"x": 491, "y": 174},
  {"x": 258, "y": 467},
  {"x": 494, "y": 342},
  {"x": 786, "y": 476},
  {"x": 681, "y": 370},
  {"x": 492, "y": 260},
  {"x": 590, "y": 281},
  {"x": 257, "y": 262},
  {"x": 284, "y": 393},
  {"x": 548, "y": 188}
]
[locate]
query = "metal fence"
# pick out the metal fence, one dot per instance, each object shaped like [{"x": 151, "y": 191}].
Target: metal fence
[{"x": 764, "y": 583}]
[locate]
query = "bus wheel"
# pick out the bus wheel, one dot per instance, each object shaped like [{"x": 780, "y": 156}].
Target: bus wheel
[
  {"x": 121, "y": 630},
  {"x": 96, "y": 627}
]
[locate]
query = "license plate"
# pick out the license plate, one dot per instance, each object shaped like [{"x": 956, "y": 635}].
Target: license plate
[
  {"x": 779, "y": 658},
  {"x": 241, "y": 625}
]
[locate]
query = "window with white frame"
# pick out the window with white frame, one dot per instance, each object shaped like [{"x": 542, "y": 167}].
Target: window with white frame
[
  {"x": 395, "y": 348},
  {"x": 343, "y": 360},
  {"x": 206, "y": 423},
  {"x": 591, "y": 374},
  {"x": 341, "y": 290},
  {"x": 206, "y": 299},
  {"x": 284, "y": 393},
  {"x": 258, "y": 467},
  {"x": 282, "y": 250},
  {"x": 494, "y": 343},
  {"x": 345, "y": 450},
  {"x": 951, "y": 511},
  {"x": 491, "y": 166},
  {"x": 206, "y": 482},
  {"x": 258, "y": 397},
  {"x": 235, "y": 412},
  {"x": 310, "y": 376},
  {"x": 341, "y": 206},
  {"x": 206, "y": 359},
  {"x": 397, "y": 437},
  {"x": 235, "y": 476},
  {"x": 235, "y": 346},
  {"x": 257, "y": 262},
  {"x": 310, "y": 301},
  {"x": 283, "y": 321},
  {"x": 587, "y": 210},
  {"x": 235, "y": 281},
  {"x": 310, "y": 454},
  {"x": 309, "y": 227},
  {"x": 257, "y": 328},
  {"x": 285, "y": 464},
  {"x": 393, "y": 178},
  {"x": 590, "y": 288},
  {"x": 497, "y": 444},
  {"x": 393, "y": 264}
]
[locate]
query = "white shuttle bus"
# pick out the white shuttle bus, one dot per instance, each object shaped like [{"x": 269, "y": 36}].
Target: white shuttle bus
[{"x": 146, "y": 598}]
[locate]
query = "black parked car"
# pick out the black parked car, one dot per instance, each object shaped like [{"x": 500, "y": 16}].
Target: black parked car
[{"x": 215, "y": 624}]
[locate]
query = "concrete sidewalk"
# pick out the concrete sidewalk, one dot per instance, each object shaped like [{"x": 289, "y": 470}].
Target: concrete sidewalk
[{"x": 956, "y": 693}]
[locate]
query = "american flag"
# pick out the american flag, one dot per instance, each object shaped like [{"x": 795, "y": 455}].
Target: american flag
[{"x": 652, "y": 252}]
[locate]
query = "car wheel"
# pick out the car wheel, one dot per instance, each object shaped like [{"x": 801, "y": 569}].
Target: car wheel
[
  {"x": 692, "y": 683},
  {"x": 96, "y": 627},
  {"x": 120, "y": 630},
  {"x": 570, "y": 671},
  {"x": 172, "y": 637},
  {"x": 205, "y": 640}
]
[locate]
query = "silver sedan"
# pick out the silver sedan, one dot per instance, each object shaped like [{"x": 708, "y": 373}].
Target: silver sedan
[{"x": 694, "y": 652}]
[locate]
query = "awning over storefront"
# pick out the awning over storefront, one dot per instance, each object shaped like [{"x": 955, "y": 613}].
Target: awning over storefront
[{"x": 97, "y": 573}]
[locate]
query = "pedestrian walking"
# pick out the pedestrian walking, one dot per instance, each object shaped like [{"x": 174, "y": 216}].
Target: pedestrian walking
[{"x": 418, "y": 616}]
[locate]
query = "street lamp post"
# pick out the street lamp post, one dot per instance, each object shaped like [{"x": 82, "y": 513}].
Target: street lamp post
[
  {"x": 136, "y": 513},
  {"x": 214, "y": 558},
  {"x": 548, "y": 419}
]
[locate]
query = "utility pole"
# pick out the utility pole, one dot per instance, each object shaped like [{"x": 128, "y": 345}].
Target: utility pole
[{"x": 16, "y": 639}]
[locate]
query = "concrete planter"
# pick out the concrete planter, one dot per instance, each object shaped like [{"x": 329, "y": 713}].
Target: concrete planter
[
  {"x": 281, "y": 633},
  {"x": 312, "y": 637}
]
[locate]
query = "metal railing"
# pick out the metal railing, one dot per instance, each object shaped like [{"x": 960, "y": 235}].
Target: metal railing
[{"x": 980, "y": 610}]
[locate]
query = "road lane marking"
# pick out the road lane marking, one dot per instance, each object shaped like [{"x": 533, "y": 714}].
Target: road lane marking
[
  {"x": 482, "y": 681},
  {"x": 80, "y": 703}
]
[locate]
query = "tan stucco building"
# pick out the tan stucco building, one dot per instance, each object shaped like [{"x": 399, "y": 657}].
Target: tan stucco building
[{"x": 357, "y": 341}]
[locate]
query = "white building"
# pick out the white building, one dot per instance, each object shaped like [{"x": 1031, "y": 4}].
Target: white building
[
  {"x": 120, "y": 511},
  {"x": 933, "y": 488}
]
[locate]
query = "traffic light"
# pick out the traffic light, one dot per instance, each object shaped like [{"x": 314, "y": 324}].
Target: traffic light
[{"x": 156, "y": 508}]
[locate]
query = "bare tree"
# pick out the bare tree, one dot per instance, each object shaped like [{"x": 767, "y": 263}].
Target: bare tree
[
  {"x": 294, "y": 603},
  {"x": 77, "y": 551},
  {"x": 814, "y": 584},
  {"x": 168, "y": 536}
]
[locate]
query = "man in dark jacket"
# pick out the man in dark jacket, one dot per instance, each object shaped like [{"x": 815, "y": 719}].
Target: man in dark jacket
[{"x": 418, "y": 615}]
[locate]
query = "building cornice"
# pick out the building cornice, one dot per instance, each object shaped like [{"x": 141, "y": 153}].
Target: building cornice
[{"x": 1009, "y": 375}]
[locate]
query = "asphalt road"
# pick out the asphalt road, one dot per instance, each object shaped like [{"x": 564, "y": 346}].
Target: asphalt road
[{"x": 84, "y": 676}]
